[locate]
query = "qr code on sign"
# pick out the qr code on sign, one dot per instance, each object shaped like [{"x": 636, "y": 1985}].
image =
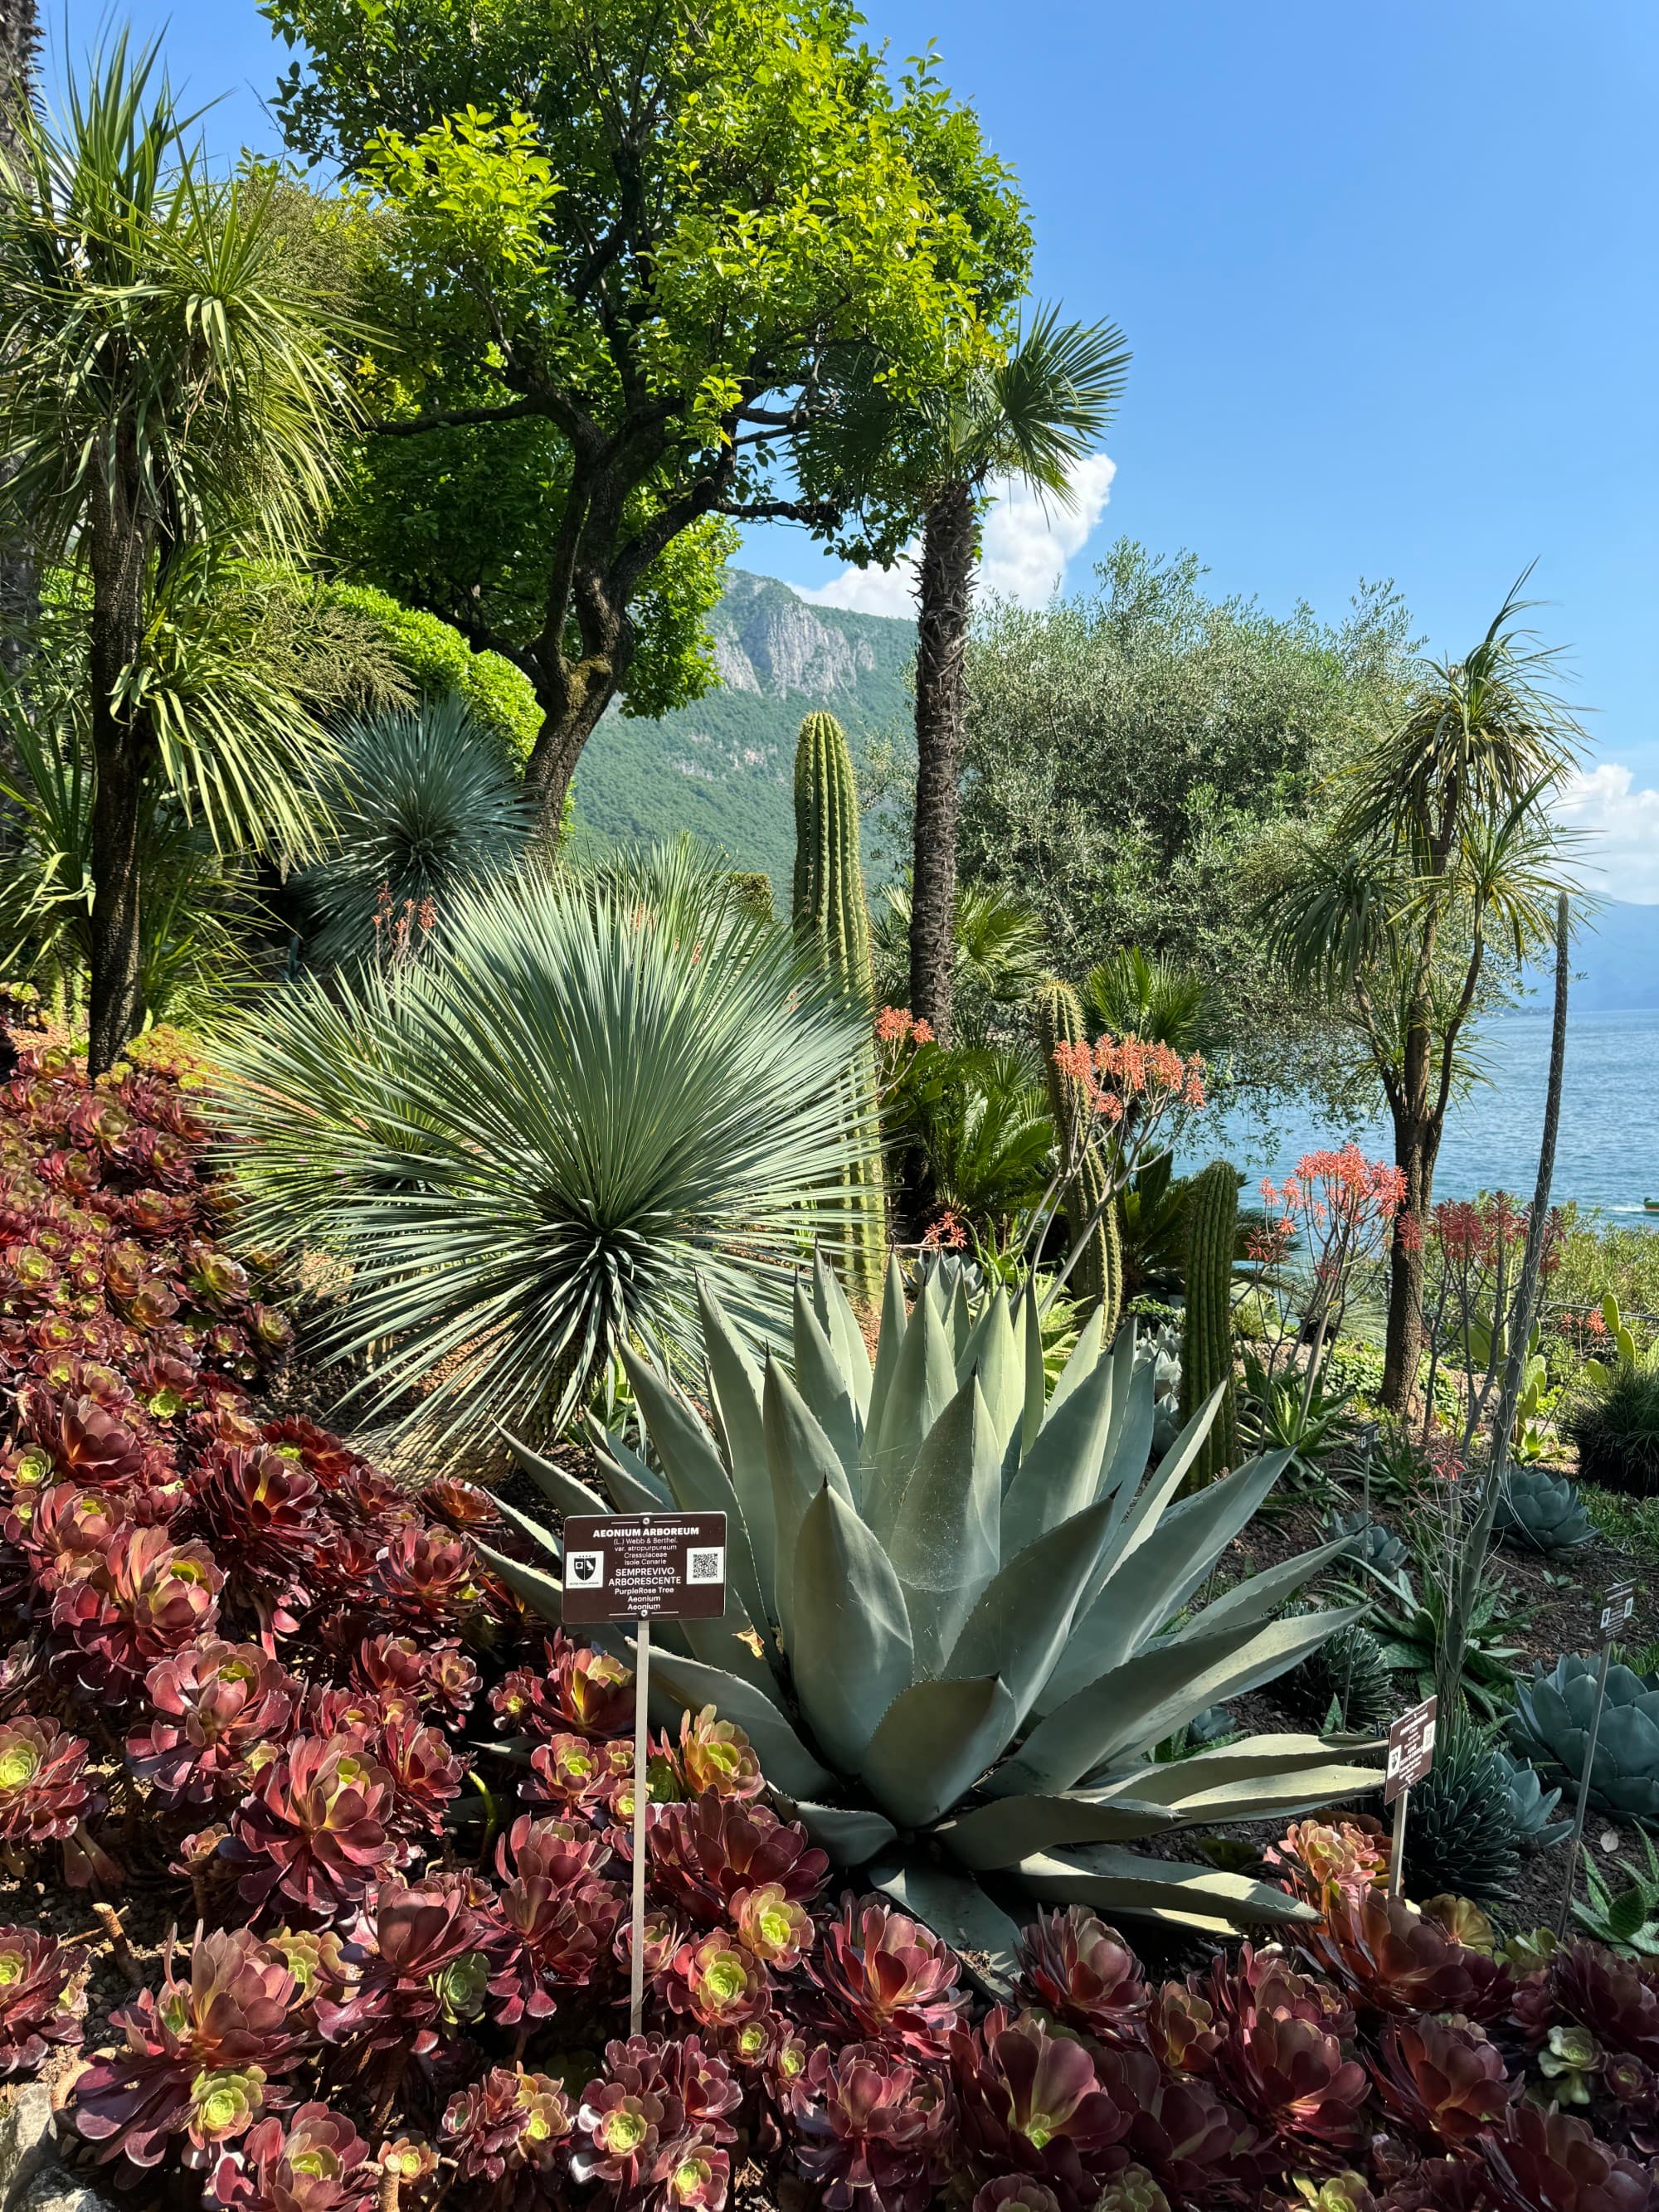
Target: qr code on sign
[{"x": 706, "y": 1567}]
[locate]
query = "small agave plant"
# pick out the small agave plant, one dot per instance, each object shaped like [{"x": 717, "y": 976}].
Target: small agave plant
[{"x": 962, "y": 1612}]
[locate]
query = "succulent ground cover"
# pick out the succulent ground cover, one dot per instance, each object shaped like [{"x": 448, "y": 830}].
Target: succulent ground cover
[{"x": 249, "y": 1680}]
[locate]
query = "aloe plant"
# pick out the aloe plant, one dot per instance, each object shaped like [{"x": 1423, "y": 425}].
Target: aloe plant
[{"x": 964, "y": 1612}]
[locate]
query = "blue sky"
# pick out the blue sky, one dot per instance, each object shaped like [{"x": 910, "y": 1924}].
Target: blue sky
[{"x": 1389, "y": 276}]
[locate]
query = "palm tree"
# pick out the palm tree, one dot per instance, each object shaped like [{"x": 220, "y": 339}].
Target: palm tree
[
  {"x": 167, "y": 403},
  {"x": 1445, "y": 853},
  {"x": 1032, "y": 416},
  {"x": 20, "y": 46}
]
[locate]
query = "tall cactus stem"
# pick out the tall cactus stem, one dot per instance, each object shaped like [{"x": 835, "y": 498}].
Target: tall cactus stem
[
  {"x": 830, "y": 912},
  {"x": 1097, "y": 1279},
  {"x": 1206, "y": 1336}
]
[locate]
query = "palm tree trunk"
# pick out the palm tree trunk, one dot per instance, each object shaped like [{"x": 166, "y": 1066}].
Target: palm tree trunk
[
  {"x": 20, "y": 42},
  {"x": 945, "y": 590},
  {"x": 120, "y": 747}
]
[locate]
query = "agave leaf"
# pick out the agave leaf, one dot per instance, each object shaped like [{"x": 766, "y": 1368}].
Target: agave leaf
[
  {"x": 1259, "y": 1596},
  {"x": 1272, "y": 1796},
  {"x": 563, "y": 1490},
  {"x": 1010, "y": 1829},
  {"x": 802, "y": 1460},
  {"x": 734, "y": 1386},
  {"x": 785, "y": 1759},
  {"x": 890, "y": 1345},
  {"x": 850, "y": 1834},
  {"x": 1085, "y": 1359},
  {"x": 923, "y": 1384},
  {"x": 1134, "y": 1414},
  {"x": 1061, "y": 1474},
  {"x": 935, "y": 1741},
  {"x": 1019, "y": 1626},
  {"x": 841, "y": 1325},
  {"x": 823, "y": 1386},
  {"x": 850, "y": 1649},
  {"x": 944, "y": 1542},
  {"x": 1123, "y": 1881},
  {"x": 1258, "y": 1756},
  {"x": 543, "y": 1593},
  {"x": 634, "y": 1486},
  {"x": 699, "y": 1482},
  {"x": 1157, "y": 1691},
  {"x": 542, "y": 1537},
  {"x": 960, "y": 1914},
  {"x": 1037, "y": 1381},
  {"x": 959, "y": 1318},
  {"x": 1153, "y": 1566},
  {"x": 994, "y": 1355}
]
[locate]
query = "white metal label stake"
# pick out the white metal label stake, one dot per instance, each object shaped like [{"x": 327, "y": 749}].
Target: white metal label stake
[
  {"x": 1411, "y": 1754},
  {"x": 1618, "y": 1604},
  {"x": 643, "y": 1567}
]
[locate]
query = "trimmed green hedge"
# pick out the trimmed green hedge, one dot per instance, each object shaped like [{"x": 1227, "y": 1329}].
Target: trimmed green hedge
[{"x": 440, "y": 661}]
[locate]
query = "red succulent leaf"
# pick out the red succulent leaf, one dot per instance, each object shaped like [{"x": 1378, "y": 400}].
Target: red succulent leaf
[
  {"x": 887, "y": 1979},
  {"x": 1033, "y": 2102},
  {"x": 706, "y": 1851},
  {"x": 1551, "y": 2162},
  {"x": 425, "y": 1966},
  {"x": 315, "y": 1827},
  {"x": 511, "y": 2122},
  {"x": 872, "y": 2129},
  {"x": 1084, "y": 1973},
  {"x": 1443, "y": 2079},
  {"x": 36, "y": 2006},
  {"x": 43, "y": 1793},
  {"x": 217, "y": 1706},
  {"x": 719, "y": 1983},
  {"x": 314, "y": 2162}
]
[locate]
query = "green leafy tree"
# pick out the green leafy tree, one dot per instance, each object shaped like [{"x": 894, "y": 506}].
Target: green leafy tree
[
  {"x": 1137, "y": 754},
  {"x": 1443, "y": 864},
  {"x": 167, "y": 405},
  {"x": 629, "y": 249}
]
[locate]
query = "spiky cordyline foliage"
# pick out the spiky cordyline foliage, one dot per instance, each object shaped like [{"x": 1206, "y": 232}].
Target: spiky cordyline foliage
[
  {"x": 527, "y": 1146},
  {"x": 423, "y": 806},
  {"x": 945, "y": 1569}
]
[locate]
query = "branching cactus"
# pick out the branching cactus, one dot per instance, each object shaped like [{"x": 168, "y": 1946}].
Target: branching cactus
[
  {"x": 964, "y": 1610},
  {"x": 1206, "y": 1337},
  {"x": 829, "y": 907},
  {"x": 1098, "y": 1278}
]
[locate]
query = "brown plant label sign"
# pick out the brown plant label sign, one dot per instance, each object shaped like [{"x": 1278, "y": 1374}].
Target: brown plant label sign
[
  {"x": 1410, "y": 1748},
  {"x": 1618, "y": 1604},
  {"x": 644, "y": 1567}
]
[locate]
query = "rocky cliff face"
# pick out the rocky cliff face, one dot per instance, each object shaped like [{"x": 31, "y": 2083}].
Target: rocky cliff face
[{"x": 767, "y": 641}]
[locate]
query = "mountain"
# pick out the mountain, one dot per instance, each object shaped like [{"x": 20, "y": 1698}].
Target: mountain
[
  {"x": 724, "y": 768},
  {"x": 1615, "y": 963}
]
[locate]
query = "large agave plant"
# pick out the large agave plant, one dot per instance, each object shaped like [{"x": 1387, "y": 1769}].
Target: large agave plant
[{"x": 964, "y": 1614}]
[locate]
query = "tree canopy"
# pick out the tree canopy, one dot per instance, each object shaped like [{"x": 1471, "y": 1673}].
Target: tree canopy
[
  {"x": 628, "y": 253},
  {"x": 1136, "y": 754}
]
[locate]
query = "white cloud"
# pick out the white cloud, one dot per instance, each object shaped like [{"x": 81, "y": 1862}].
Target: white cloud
[
  {"x": 1617, "y": 826},
  {"x": 1028, "y": 542}
]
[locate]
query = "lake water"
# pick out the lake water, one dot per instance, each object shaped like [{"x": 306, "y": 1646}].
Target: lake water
[{"x": 1607, "y": 1153}]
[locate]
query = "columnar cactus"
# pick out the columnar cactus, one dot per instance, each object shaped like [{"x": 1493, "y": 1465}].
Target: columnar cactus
[
  {"x": 1207, "y": 1338},
  {"x": 829, "y": 911},
  {"x": 1098, "y": 1275}
]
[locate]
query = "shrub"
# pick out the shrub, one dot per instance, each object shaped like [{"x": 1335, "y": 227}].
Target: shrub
[
  {"x": 441, "y": 664},
  {"x": 530, "y": 1144},
  {"x": 1615, "y": 1426}
]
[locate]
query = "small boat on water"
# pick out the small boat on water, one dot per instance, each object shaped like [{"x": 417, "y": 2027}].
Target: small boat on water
[{"x": 1650, "y": 1205}]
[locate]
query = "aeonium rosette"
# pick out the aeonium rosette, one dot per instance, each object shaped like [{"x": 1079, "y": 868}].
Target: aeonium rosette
[
  {"x": 36, "y": 2003},
  {"x": 316, "y": 1827},
  {"x": 216, "y": 1708}
]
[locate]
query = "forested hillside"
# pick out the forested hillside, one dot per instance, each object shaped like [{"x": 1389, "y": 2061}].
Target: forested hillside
[{"x": 723, "y": 766}]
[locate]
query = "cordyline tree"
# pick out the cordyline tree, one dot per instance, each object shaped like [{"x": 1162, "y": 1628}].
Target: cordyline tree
[
  {"x": 627, "y": 246},
  {"x": 167, "y": 405},
  {"x": 1431, "y": 887}
]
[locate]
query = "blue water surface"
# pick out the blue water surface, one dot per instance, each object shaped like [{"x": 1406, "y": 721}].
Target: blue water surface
[{"x": 1607, "y": 1154}]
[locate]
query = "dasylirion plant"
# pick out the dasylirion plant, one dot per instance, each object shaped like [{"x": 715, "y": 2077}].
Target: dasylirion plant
[
  {"x": 1098, "y": 1275},
  {"x": 1206, "y": 1355},
  {"x": 829, "y": 910},
  {"x": 963, "y": 1612}
]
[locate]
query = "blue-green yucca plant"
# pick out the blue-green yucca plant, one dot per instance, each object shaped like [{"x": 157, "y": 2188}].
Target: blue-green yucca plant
[
  {"x": 422, "y": 807},
  {"x": 530, "y": 1142},
  {"x": 963, "y": 1612}
]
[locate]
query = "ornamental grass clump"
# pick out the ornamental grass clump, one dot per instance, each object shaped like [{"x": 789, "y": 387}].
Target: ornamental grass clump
[{"x": 963, "y": 1612}]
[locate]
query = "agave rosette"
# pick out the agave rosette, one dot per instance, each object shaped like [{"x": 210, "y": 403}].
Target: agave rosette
[{"x": 960, "y": 1612}]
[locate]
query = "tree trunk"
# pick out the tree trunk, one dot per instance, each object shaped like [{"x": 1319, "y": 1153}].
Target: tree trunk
[
  {"x": 120, "y": 747},
  {"x": 570, "y": 715},
  {"x": 20, "y": 42},
  {"x": 945, "y": 590}
]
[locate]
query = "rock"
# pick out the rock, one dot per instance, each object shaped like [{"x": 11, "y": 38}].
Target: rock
[
  {"x": 26, "y": 2140},
  {"x": 53, "y": 2190}
]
